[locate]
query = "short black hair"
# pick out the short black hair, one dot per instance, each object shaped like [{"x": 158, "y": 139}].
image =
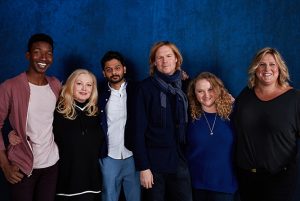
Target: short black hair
[
  {"x": 112, "y": 55},
  {"x": 39, "y": 37}
]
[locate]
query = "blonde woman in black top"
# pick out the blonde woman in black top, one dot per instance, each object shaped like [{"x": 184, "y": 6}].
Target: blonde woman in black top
[
  {"x": 266, "y": 119},
  {"x": 79, "y": 137}
]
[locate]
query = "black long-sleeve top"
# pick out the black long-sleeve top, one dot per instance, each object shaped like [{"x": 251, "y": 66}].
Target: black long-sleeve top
[
  {"x": 266, "y": 131},
  {"x": 79, "y": 142}
]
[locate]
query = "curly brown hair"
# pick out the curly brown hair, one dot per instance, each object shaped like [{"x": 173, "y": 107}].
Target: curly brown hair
[{"x": 223, "y": 102}]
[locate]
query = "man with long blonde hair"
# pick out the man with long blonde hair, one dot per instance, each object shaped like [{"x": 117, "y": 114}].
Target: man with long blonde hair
[{"x": 161, "y": 118}]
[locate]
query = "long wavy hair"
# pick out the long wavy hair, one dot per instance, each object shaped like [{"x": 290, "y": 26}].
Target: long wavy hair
[
  {"x": 223, "y": 101},
  {"x": 66, "y": 99},
  {"x": 283, "y": 79},
  {"x": 154, "y": 49}
]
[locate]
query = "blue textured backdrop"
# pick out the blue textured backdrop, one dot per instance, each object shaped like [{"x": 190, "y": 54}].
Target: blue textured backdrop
[{"x": 213, "y": 35}]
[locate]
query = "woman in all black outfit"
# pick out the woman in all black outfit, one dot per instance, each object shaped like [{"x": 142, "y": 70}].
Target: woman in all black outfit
[
  {"x": 79, "y": 137},
  {"x": 267, "y": 123}
]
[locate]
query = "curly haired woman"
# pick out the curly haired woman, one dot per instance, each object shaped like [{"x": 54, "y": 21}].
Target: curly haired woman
[{"x": 210, "y": 140}]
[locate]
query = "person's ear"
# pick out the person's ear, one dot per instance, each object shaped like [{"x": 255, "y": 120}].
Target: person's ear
[{"x": 27, "y": 55}]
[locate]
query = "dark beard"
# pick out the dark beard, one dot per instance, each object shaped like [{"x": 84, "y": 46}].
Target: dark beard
[{"x": 121, "y": 78}]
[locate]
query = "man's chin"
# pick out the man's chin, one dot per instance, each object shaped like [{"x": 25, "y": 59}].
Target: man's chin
[
  {"x": 41, "y": 71},
  {"x": 115, "y": 81}
]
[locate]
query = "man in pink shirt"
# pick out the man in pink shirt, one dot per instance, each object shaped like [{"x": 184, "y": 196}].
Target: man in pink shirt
[{"x": 28, "y": 101}]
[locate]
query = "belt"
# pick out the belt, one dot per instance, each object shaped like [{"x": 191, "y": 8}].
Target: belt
[{"x": 260, "y": 170}]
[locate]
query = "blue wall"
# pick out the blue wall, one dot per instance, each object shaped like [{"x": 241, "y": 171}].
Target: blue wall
[{"x": 213, "y": 35}]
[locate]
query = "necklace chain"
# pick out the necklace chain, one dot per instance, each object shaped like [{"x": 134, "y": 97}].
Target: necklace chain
[{"x": 211, "y": 129}]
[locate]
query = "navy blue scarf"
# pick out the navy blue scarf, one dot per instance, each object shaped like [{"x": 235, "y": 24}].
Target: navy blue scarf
[{"x": 172, "y": 84}]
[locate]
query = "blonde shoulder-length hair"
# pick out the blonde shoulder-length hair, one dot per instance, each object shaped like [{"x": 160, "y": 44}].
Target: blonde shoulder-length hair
[
  {"x": 283, "y": 79},
  {"x": 154, "y": 49},
  {"x": 66, "y": 99},
  {"x": 223, "y": 101}
]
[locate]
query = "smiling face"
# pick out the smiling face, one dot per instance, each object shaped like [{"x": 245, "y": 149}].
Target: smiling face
[
  {"x": 83, "y": 87},
  {"x": 165, "y": 60},
  {"x": 40, "y": 57},
  {"x": 267, "y": 71},
  {"x": 206, "y": 95}
]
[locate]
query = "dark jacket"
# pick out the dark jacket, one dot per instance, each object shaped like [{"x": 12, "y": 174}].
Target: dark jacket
[
  {"x": 155, "y": 141},
  {"x": 103, "y": 99}
]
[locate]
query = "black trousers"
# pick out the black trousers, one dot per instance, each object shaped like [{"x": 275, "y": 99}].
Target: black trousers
[
  {"x": 263, "y": 186},
  {"x": 40, "y": 186},
  {"x": 170, "y": 187}
]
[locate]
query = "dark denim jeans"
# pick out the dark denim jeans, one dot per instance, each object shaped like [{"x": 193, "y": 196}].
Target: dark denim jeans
[{"x": 172, "y": 187}]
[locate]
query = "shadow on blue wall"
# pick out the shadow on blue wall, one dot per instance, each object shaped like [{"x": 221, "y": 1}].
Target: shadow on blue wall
[{"x": 72, "y": 62}]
